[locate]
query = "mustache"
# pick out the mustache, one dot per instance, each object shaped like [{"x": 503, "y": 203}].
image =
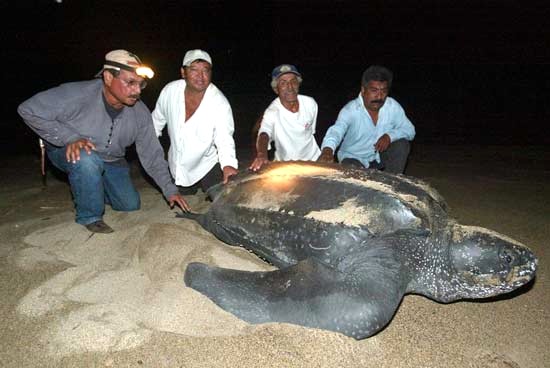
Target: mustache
[
  {"x": 137, "y": 97},
  {"x": 290, "y": 89},
  {"x": 377, "y": 101}
]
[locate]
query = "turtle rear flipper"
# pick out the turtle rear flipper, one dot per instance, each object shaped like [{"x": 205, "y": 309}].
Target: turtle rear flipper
[{"x": 308, "y": 293}]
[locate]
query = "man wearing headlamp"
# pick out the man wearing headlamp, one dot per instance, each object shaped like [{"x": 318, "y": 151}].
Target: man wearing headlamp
[{"x": 88, "y": 125}]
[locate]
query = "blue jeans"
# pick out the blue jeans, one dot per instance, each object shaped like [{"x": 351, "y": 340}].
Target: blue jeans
[{"x": 95, "y": 183}]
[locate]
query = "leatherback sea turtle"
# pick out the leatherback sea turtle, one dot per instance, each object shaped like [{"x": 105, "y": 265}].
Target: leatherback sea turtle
[{"x": 348, "y": 244}]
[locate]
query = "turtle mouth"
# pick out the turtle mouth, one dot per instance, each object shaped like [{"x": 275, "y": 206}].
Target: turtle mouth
[{"x": 499, "y": 281}]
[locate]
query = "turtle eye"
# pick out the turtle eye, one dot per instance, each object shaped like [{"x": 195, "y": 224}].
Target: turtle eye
[{"x": 507, "y": 257}]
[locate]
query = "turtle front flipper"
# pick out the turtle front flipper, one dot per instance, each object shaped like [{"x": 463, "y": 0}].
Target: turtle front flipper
[{"x": 308, "y": 294}]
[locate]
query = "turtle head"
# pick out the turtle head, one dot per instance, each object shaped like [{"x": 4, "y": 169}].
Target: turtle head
[{"x": 487, "y": 264}]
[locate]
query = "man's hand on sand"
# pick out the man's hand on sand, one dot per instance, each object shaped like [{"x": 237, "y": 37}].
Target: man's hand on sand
[{"x": 178, "y": 199}]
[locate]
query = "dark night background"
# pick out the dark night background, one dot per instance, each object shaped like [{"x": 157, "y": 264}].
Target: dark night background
[{"x": 466, "y": 72}]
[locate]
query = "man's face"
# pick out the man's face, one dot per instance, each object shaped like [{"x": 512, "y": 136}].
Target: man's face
[
  {"x": 124, "y": 89},
  {"x": 288, "y": 87},
  {"x": 374, "y": 95},
  {"x": 198, "y": 75}
]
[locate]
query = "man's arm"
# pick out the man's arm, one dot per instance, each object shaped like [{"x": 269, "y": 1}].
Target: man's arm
[
  {"x": 223, "y": 138},
  {"x": 261, "y": 152},
  {"x": 159, "y": 114},
  {"x": 151, "y": 156},
  {"x": 400, "y": 125},
  {"x": 334, "y": 137},
  {"x": 315, "y": 111},
  {"x": 46, "y": 114},
  {"x": 265, "y": 134},
  {"x": 327, "y": 155},
  {"x": 228, "y": 172}
]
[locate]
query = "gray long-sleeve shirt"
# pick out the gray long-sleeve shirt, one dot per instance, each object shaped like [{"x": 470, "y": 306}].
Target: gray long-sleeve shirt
[{"x": 76, "y": 110}]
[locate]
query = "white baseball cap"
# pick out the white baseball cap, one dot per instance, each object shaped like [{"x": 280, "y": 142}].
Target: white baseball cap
[{"x": 194, "y": 55}]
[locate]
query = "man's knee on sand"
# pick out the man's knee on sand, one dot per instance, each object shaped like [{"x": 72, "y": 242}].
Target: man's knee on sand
[
  {"x": 352, "y": 162},
  {"x": 399, "y": 148},
  {"x": 90, "y": 164},
  {"x": 394, "y": 159},
  {"x": 131, "y": 203},
  {"x": 90, "y": 171},
  {"x": 120, "y": 192}
]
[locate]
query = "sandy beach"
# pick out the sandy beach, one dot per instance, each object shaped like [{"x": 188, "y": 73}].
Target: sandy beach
[{"x": 75, "y": 299}]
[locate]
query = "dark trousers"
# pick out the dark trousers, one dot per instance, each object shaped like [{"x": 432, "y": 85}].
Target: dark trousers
[
  {"x": 213, "y": 177},
  {"x": 394, "y": 159}
]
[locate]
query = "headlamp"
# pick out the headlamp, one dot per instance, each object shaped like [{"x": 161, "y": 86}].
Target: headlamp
[
  {"x": 145, "y": 72},
  {"x": 142, "y": 70}
]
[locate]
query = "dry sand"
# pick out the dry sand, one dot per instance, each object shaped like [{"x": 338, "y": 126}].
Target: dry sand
[{"x": 75, "y": 299}]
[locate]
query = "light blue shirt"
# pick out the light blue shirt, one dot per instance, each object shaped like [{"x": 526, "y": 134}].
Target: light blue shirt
[{"x": 356, "y": 133}]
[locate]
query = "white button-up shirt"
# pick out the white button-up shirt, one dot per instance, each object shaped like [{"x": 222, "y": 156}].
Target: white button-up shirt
[
  {"x": 356, "y": 134},
  {"x": 196, "y": 145}
]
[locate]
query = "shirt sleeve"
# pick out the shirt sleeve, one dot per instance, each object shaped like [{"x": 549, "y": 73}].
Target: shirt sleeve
[
  {"x": 336, "y": 133},
  {"x": 223, "y": 137},
  {"x": 151, "y": 155},
  {"x": 159, "y": 114},
  {"x": 315, "y": 111},
  {"x": 401, "y": 126},
  {"x": 49, "y": 118},
  {"x": 268, "y": 123}
]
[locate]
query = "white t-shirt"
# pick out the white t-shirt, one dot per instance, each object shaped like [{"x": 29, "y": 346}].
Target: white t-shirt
[
  {"x": 292, "y": 132},
  {"x": 196, "y": 145}
]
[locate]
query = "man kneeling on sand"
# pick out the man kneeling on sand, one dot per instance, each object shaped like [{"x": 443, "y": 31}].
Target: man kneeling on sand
[{"x": 88, "y": 125}]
